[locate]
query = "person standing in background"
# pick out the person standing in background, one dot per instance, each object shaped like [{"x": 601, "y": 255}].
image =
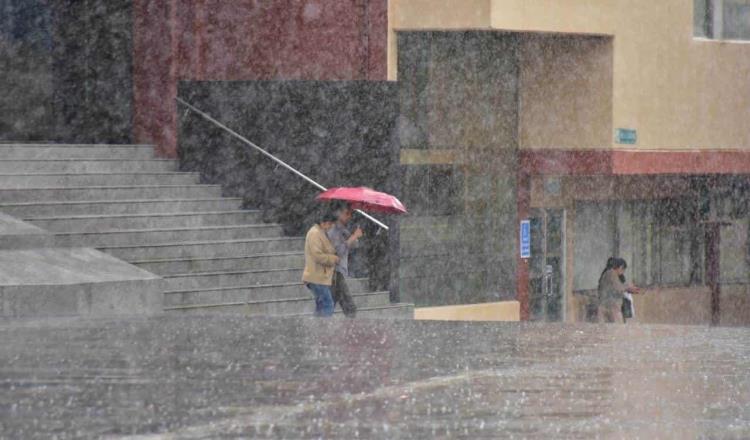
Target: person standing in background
[{"x": 612, "y": 289}]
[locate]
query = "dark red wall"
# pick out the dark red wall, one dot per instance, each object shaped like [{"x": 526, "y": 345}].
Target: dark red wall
[{"x": 246, "y": 40}]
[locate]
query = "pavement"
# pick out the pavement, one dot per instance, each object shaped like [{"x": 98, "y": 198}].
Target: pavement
[{"x": 236, "y": 377}]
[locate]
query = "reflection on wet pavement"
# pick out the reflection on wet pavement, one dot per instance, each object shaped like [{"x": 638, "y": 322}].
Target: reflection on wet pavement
[{"x": 304, "y": 378}]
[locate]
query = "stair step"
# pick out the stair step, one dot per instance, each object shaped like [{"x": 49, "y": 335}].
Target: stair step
[
  {"x": 205, "y": 248},
  {"x": 214, "y": 257},
  {"x": 263, "y": 292},
  {"x": 75, "y": 151},
  {"x": 87, "y": 165},
  {"x": 208, "y": 280},
  {"x": 302, "y": 305},
  {"x": 390, "y": 311},
  {"x": 246, "y": 262},
  {"x": 96, "y": 223},
  {"x": 189, "y": 234},
  {"x": 110, "y": 193},
  {"x": 118, "y": 207},
  {"x": 96, "y": 179}
]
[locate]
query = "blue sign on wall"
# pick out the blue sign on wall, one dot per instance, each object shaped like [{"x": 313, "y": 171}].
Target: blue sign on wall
[
  {"x": 525, "y": 239},
  {"x": 626, "y": 136}
]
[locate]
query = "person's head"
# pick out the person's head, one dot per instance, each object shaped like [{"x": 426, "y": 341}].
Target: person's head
[
  {"x": 343, "y": 213},
  {"x": 619, "y": 266},
  {"x": 610, "y": 263},
  {"x": 326, "y": 220}
]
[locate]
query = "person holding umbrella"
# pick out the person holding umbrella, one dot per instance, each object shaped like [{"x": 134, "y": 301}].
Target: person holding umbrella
[
  {"x": 360, "y": 199},
  {"x": 320, "y": 261},
  {"x": 343, "y": 241}
]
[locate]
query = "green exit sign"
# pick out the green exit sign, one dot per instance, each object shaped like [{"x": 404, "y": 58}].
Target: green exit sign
[{"x": 626, "y": 136}]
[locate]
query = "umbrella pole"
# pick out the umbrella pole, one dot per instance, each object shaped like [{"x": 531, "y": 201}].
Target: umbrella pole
[
  {"x": 272, "y": 157},
  {"x": 371, "y": 218}
]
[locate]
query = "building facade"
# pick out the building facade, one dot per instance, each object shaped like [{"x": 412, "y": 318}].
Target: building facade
[
  {"x": 246, "y": 40},
  {"x": 619, "y": 128},
  {"x": 614, "y": 128}
]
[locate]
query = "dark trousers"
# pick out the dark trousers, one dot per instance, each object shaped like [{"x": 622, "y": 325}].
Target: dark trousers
[
  {"x": 592, "y": 311},
  {"x": 341, "y": 295}
]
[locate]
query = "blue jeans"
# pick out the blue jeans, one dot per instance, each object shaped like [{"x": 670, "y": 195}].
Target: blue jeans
[{"x": 323, "y": 299}]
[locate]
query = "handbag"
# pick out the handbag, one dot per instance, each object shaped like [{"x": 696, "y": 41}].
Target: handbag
[{"x": 627, "y": 308}]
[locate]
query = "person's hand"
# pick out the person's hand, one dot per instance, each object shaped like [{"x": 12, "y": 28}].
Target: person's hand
[{"x": 358, "y": 233}]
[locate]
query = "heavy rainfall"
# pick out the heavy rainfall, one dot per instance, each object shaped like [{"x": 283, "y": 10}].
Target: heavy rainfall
[{"x": 374, "y": 219}]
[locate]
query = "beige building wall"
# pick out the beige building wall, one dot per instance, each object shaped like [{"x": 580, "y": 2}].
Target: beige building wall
[
  {"x": 565, "y": 89},
  {"x": 497, "y": 311},
  {"x": 677, "y": 91}
]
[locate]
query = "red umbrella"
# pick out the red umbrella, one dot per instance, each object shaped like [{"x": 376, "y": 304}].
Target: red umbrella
[{"x": 365, "y": 199}]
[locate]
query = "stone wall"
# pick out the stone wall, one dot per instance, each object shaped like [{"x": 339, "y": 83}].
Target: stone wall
[
  {"x": 67, "y": 70},
  {"x": 459, "y": 134},
  {"x": 248, "y": 40}
]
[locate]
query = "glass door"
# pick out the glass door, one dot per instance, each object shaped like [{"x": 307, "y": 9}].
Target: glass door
[{"x": 547, "y": 265}]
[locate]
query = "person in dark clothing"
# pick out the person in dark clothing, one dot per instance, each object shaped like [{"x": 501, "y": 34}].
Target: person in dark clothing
[{"x": 343, "y": 241}]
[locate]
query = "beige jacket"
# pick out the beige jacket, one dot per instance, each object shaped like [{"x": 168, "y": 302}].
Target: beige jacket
[
  {"x": 611, "y": 289},
  {"x": 320, "y": 257}
]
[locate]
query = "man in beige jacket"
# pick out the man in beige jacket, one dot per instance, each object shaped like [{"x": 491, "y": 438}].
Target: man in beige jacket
[{"x": 320, "y": 261}]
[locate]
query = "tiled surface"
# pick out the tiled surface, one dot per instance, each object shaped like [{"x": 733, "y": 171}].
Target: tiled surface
[{"x": 202, "y": 377}]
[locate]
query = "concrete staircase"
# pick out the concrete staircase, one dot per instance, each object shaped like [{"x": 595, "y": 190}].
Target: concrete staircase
[{"x": 120, "y": 199}]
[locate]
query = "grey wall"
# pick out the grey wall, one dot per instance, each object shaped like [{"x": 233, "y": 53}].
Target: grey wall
[
  {"x": 459, "y": 93},
  {"x": 339, "y": 133},
  {"x": 67, "y": 70}
]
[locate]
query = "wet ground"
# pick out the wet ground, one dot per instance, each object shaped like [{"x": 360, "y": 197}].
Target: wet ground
[{"x": 304, "y": 378}]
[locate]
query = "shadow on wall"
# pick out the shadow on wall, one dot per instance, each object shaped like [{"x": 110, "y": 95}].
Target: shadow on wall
[{"x": 338, "y": 133}]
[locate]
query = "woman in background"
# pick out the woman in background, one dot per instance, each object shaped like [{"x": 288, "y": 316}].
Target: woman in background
[{"x": 612, "y": 289}]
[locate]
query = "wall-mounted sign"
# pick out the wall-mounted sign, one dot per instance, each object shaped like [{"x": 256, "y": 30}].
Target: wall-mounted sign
[
  {"x": 525, "y": 239},
  {"x": 627, "y": 136},
  {"x": 553, "y": 186}
]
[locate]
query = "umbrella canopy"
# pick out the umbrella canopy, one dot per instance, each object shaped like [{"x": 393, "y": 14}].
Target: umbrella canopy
[{"x": 365, "y": 199}]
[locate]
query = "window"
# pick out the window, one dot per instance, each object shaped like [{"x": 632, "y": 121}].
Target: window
[
  {"x": 733, "y": 209},
  {"x": 678, "y": 243},
  {"x": 594, "y": 243},
  {"x": 660, "y": 240},
  {"x": 722, "y": 19},
  {"x": 733, "y": 264}
]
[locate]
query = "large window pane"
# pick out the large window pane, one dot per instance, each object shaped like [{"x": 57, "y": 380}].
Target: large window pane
[
  {"x": 660, "y": 241},
  {"x": 636, "y": 232},
  {"x": 702, "y": 19},
  {"x": 722, "y": 19},
  {"x": 677, "y": 243},
  {"x": 674, "y": 256},
  {"x": 594, "y": 243},
  {"x": 734, "y": 253},
  {"x": 736, "y": 15}
]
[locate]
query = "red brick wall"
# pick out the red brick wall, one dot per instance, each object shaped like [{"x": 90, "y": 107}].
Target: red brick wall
[{"x": 247, "y": 40}]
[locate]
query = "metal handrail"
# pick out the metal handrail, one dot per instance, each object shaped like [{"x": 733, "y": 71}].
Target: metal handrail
[{"x": 272, "y": 157}]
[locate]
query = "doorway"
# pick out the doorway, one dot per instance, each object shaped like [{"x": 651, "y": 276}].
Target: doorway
[{"x": 547, "y": 264}]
